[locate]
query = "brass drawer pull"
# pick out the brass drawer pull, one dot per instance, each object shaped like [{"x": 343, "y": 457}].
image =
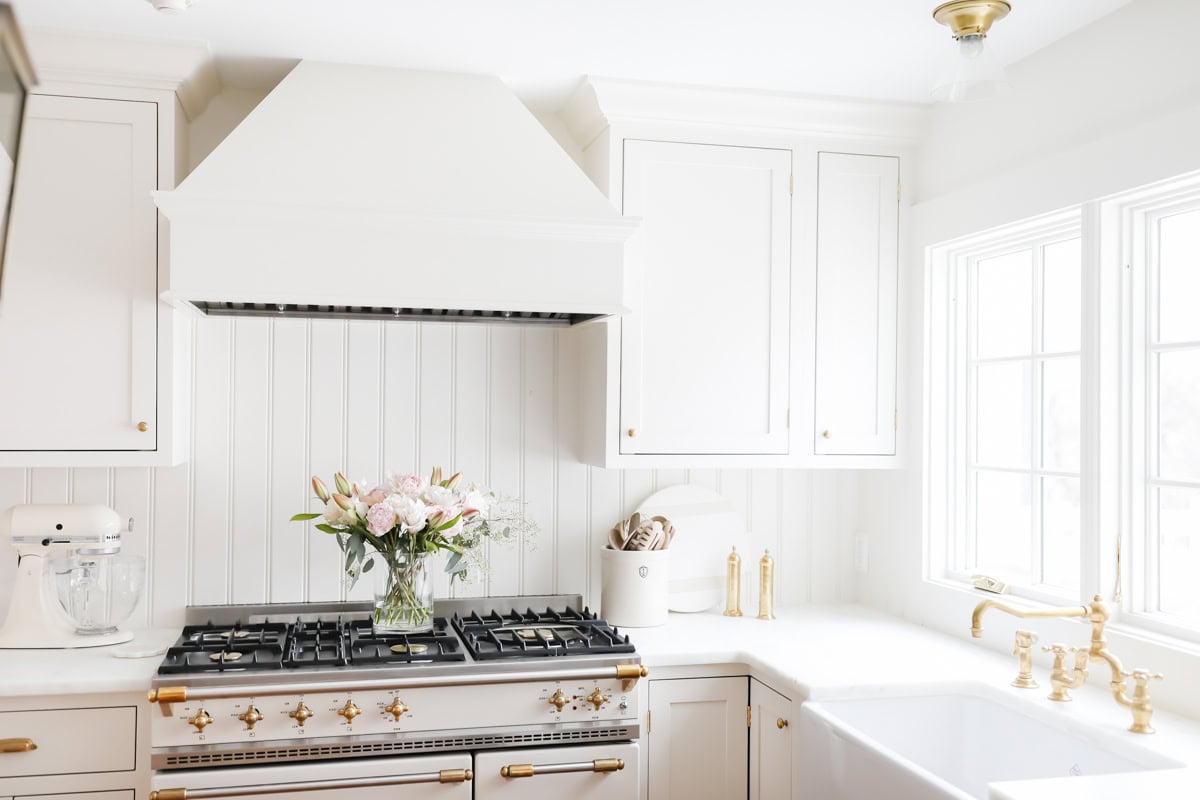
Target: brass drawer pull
[
  {"x": 444, "y": 776},
  {"x": 17, "y": 745},
  {"x": 529, "y": 770}
]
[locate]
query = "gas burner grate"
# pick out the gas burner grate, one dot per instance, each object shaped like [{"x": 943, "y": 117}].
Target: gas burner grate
[
  {"x": 538, "y": 634},
  {"x": 305, "y": 644}
]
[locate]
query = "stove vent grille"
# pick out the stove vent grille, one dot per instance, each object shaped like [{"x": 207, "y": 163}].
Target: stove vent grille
[
  {"x": 295, "y": 311},
  {"x": 387, "y": 747}
]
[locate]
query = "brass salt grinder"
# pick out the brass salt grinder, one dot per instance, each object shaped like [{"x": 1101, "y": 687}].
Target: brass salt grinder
[
  {"x": 766, "y": 586},
  {"x": 733, "y": 585}
]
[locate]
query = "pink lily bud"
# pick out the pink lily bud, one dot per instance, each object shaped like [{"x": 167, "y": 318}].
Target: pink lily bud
[
  {"x": 435, "y": 479},
  {"x": 344, "y": 502},
  {"x": 320, "y": 490},
  {"x": 343, "y": 485},
  {"x": 455, "y": 479}
]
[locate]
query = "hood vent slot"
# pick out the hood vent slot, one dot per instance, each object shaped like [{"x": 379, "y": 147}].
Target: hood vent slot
[{"x": 302, "y": 311}]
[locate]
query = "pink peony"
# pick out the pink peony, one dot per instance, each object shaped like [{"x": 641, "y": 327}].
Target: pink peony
[
  {"x": 408, "y": 485},
  {"x": 380, "y": 518}
]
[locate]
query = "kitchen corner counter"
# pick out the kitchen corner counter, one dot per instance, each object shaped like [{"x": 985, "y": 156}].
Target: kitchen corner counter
[
  {"x": 815, "y": 653},
  {"x": 84, "y": 670}
]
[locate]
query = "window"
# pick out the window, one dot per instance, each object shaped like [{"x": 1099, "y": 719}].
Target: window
[
  {"x": 1014, "y": 327},
  {"x": 1063, "y": 406},
  {"x": 1163, "y": 237}
]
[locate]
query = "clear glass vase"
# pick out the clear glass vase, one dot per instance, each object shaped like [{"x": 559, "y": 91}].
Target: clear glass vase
[{"x": 403, "y": 593}]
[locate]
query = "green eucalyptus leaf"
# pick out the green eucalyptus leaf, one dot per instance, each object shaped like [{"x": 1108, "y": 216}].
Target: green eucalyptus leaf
[
  {"x": 367, "y": 566},
  {"x": 452, "y": 563}
]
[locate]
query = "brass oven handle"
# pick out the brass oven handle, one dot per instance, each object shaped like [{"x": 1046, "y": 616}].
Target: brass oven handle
[
  {"x": 18, "y": 745},
  {"x": 529, "y": 770},
  {"x": 444, "y": 776},
  {"x": 628, "y": 674}
]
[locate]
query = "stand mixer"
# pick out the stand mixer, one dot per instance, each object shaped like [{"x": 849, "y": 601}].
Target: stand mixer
[{"x": 76, "y": 548}]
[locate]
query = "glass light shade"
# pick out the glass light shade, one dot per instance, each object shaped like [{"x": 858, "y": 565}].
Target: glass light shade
[{"x": 975, "y": 74}]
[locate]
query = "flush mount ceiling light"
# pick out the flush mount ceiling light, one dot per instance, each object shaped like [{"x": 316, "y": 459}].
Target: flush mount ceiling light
[
  {"x": 975, "y": 74},
  {"x": 171, "y": 6}
]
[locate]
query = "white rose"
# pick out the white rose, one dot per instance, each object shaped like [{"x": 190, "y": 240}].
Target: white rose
[
  {"x": 410, "y": 512},
  {"x": 479, "y": 501},
  {"x": 441, "y": 496}
]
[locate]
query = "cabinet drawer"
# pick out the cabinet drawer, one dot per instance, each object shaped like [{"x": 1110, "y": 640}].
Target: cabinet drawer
[
  {"x": 126, "y": 794},
  {"x": 70, "y": 741}
]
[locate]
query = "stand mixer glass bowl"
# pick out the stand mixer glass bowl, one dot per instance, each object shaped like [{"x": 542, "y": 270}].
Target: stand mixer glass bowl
[{"x": 98, "y": 592}]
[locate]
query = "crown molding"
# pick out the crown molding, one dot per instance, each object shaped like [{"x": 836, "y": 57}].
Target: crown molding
[
  {"x": 600, "y": 102},
  {"x": 183, "y": 67}
]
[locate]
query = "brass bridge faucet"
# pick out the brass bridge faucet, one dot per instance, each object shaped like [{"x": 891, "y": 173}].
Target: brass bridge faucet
[{"x": 1063, "y": 678}]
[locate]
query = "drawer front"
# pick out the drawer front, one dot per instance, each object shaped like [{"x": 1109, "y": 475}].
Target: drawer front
[
  {"x": 69, "y": 741},
  {"x": 561, "y": 772},
  {"x": 127, "y": 794}
]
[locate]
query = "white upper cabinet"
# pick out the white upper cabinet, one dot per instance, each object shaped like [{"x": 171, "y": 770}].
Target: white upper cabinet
[
  {"x": 855, "y": 375},
  {"x": 705, "y": 351},
  {"x": 86, "y": 347}
]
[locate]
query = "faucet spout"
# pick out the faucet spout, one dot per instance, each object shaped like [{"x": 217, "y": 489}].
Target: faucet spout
[{"x": 1022, "y": 613}]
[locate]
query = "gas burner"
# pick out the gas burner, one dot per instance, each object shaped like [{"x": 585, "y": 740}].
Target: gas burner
[
  {"x": 225, "y": 655},
  {"x": 538, "y": 633}
]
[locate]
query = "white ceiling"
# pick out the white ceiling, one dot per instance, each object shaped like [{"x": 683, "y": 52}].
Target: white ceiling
[{"x": 886, "y": 49}]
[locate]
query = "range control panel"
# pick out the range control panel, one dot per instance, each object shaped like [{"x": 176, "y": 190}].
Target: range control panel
[{"x": 302, "y": 715}]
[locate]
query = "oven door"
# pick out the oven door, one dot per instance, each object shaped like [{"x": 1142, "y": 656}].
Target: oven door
[
  {"x": 587, "y": 772},
  {"x": 444, "y": 777}
]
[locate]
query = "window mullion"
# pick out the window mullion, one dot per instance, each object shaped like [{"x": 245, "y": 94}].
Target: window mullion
[{"x": 1036, "y": 405}]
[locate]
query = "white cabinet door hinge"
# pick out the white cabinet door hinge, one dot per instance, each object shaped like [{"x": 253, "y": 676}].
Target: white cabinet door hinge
[
  {"x": 748, "y": 710},
  {"x": 649, "y": 727},
  {"x": 791, "y": 184}
]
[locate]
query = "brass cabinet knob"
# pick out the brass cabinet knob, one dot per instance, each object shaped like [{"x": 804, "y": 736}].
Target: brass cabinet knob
[
  {"x": 558, "y": 700},
  {"x": 826, "y": 434},
  {"x": 143, "y": 426},
  {"x": 396, "y": 709},
  {"x": 18, "y": 745},
  {"x": 301, "y": 714},
  {"x": 201, "y": 720},
  {"x": 251, "y": 716},
  {"x": 349, "y": 711},
  {"x": 631, "y": 432},
  {"x": 781, "y": 723},
  {"x": 597, "y": 699}
]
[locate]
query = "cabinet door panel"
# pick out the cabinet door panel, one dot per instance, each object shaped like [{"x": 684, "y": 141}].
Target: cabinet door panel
[
  {"x": 78, "y": 324},
  {"x": 770, "y": 744},
  {"x": 697, "y": 741},
  {"x": 704, "y": 355},
  {"x": 857, "y": 238}
]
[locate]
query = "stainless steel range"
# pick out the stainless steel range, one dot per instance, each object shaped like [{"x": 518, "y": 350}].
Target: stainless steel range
[{"x": 504, "y": 695}]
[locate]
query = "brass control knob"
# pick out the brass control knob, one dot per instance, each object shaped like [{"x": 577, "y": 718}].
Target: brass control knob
[
  {"x": 302, "y": 713},
  {"x": 349, "y": 711},
  {"x": 558, "y": 700},
  {"x": 251, "y": 716},
  {"x": 201, "y": 720},
  {"x": 396, "y": 709},
  {"x": 781, "y": 723},
  {"x": 597, "y": 699},
  {"x": 143, "y": 427}
]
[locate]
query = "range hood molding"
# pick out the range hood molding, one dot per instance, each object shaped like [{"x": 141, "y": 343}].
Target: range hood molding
[{"x": 409, "y": 190}]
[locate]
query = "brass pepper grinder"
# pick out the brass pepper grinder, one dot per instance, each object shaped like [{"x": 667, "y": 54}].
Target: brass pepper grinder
[
  {"x": 766, "y": 586},
  {"x": 733, "y": 585}
]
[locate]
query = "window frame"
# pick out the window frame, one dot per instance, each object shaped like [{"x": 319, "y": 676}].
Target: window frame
[
  {"x": 1117, "y": 551},
  {"x": 950, "y": 331}
]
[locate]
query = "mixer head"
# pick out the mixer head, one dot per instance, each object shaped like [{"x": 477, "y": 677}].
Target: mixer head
[{"x": 89, "y": 529}]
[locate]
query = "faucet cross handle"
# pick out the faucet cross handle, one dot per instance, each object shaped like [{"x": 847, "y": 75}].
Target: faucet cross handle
[
  {"x": 1139, "y": 704},
  {"x": 1062, "y": 679}
]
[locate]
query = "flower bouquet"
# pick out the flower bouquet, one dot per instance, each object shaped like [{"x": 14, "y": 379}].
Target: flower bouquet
[{"x": 402, "y": 522}]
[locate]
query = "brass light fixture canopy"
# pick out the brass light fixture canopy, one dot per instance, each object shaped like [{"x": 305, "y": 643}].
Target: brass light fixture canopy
[{"x": 971, "y": 17}]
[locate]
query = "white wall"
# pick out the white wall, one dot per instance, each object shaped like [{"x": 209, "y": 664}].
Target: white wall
[
  {"x": 276, "y": 401},
  {"x": 1113, "y": 106}
]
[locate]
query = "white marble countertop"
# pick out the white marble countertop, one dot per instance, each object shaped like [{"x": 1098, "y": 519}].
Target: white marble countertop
[
  {"x": 85, "y": 670},
  {"x": 807, "y": 653},
  {"x": 816, "y": 653}
]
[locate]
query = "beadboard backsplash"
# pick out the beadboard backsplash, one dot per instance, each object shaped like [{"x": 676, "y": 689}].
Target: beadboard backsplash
[{"x": 274, "y": 402}]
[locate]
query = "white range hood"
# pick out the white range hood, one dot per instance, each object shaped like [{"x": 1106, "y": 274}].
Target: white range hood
[{"x": 358, "y": 191}]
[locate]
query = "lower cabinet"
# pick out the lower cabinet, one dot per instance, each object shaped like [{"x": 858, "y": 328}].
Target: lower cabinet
[
  {"x": 770, "y": 743},
  {"x": 72, "y": 746},
  {"x": 718, "y": 739}
]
